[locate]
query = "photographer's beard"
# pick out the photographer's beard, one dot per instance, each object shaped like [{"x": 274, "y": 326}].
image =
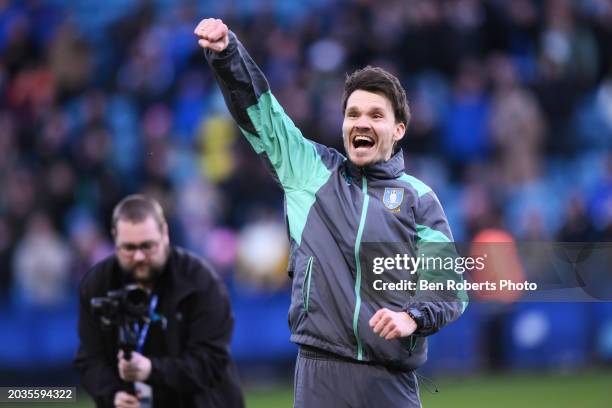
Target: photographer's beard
[{"x": 145, "y": 271}]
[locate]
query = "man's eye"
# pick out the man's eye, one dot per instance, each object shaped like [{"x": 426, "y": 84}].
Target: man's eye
[{"x": 147, "y": 245}]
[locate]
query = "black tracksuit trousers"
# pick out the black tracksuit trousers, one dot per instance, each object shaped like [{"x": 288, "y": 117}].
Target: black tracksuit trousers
[{"x": 325, "y": 380}]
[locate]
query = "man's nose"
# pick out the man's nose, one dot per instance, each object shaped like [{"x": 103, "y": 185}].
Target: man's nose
[
  {"x": 363, "y": 122},
  {"x": 139, "y": 255}
]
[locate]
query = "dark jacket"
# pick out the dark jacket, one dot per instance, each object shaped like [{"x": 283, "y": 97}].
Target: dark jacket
[
  {"x": 191, "y": 365},
  {"x": 340, "y": 217}
]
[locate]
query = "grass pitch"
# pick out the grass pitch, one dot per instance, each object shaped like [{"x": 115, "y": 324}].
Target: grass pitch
[{"x": 540, "y": 390}]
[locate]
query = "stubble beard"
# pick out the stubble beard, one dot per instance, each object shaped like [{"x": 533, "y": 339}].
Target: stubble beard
[{"x": 154, "y": 269}]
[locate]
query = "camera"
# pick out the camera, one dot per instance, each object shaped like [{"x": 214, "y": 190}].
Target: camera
[
  {"x": 131, "y": 302},
  {"x": 128, "y": 310}
]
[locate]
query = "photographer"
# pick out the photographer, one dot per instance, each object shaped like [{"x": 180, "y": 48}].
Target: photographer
[{"x": 178, "y": 350}]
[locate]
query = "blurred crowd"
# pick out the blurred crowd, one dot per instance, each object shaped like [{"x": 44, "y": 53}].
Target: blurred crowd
[{"x": 511, "y": 104}]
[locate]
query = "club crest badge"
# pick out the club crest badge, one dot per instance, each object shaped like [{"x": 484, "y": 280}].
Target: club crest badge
[{"x": 393, "y": 198}]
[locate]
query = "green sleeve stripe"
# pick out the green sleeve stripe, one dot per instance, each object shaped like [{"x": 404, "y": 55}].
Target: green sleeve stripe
[
  {"x": 295, "y": 160},
  {"x": 427, "y": 241},
  {"x": 420, "y": 187},
  {"x": 427, "y": 234},
  {"x": 299, "y": 204}
]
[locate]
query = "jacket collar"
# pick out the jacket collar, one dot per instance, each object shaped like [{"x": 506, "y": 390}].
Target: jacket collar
[{"x": 390, "y": 169}]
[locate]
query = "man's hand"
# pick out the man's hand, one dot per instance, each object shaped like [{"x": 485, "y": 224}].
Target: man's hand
[
  {"x": 125, "y": 400},
  {"x": 137, "y": 369},
  {"x": 212, "y": 34},
  {"x": 391, "y": 325}
]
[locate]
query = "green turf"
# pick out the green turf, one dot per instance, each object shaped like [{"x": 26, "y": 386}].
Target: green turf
[
  {"x": 523, "y": 391},
  {"x": 588, "y": 389}
]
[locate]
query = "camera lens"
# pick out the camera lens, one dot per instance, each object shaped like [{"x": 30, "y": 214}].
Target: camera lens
[{"x": 136, "y": 301}]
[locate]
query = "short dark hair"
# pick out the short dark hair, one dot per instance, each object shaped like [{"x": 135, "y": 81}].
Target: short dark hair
[
  {"x": 136, "y": 208},
  {"x": 378, "y": 80}
]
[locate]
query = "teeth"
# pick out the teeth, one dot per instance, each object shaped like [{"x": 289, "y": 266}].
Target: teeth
[{"x": 366, "y": 138}]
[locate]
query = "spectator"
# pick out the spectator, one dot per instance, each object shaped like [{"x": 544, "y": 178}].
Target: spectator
[{"x": 41, "y": 265}]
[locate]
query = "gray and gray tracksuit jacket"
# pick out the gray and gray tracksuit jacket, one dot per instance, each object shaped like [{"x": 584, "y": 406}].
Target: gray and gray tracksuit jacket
[{"x": 340, "y": 218}]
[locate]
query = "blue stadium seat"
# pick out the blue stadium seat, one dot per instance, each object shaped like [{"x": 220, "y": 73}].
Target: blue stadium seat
[
  {"x": 261, "y": 332},
  {"x": 547, "y": 335}
]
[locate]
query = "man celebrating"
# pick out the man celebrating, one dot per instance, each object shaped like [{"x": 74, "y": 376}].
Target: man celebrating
[
  {"x": 357, "y": 348},
  {"x": 182, "y": 362}
]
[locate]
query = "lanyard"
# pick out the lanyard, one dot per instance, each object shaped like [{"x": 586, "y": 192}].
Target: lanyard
[{"x": 145, "y": 328}]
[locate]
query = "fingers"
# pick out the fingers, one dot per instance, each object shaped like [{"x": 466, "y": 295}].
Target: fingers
[
  {"x": 211, "y": 29},
  {"x": 384, "y": 324},
  {"x": 204, "y": 25},
  {"x": 216, "y": 47},
  {"x": 124, "y": 367},
  {"x": 390, "y": 331},
  {"x": 217, "y": 32},
  {"x": 129, "y": 404},
  {"x": 212, "y": 34},
  {"x": 138, "y": 368},
  {"x": 121, "y": 369},
  {"x": 125, "y": 400},
  {"x": 377, "y": 316},
  {"x": 201, "y": 26},
  {"x": 379, "y": 319},
  {"x": 127, "y": 372}
]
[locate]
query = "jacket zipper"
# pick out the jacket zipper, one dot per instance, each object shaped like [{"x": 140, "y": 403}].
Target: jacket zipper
[
  {"x": 306, "y": 283},
  {"x": 364, "y": 211}
]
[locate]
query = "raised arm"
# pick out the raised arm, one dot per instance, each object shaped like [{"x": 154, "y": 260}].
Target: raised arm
[{"x": 296, "y": 161}]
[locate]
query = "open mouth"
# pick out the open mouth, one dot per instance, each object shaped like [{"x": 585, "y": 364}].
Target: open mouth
[{"x": 363, "y": 141}]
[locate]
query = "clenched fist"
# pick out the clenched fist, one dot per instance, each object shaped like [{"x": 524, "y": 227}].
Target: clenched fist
[
  {"x": 391, "y": 325},
  {"x": 213, "y": 34},
  {"x": 138, "y": 368}
]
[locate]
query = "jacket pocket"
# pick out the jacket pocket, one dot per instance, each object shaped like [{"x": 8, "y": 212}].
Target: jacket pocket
[
  {"x": 413, "y": 343},
  {"x": 306, "y": 283}
]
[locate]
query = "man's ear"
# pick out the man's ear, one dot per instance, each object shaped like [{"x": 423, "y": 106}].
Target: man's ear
[{"x": 400, "y": 131}]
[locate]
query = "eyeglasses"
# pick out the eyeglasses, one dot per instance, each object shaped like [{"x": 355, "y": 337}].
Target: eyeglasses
[{"x": 147, "y": 247}]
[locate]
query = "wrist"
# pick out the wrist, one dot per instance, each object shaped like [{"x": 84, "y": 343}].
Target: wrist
[
  {"x": 417, "y": 317},
  {"x": 232, "y": 44}
]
